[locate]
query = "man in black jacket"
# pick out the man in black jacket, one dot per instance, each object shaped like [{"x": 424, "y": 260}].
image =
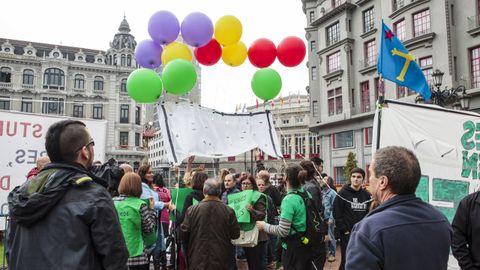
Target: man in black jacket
[
  {"x": 350, "y": 206},
  {"x": 65, "y": 218},
  {"x": 466, "y": 232}
]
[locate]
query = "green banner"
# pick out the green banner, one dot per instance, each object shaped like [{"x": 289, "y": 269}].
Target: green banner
[
  {"x": 179, "y": 199},
  {"x": 238, "y": 201}
]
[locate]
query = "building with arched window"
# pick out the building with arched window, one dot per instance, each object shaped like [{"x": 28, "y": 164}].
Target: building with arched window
[{"x": 63, "y": 80}]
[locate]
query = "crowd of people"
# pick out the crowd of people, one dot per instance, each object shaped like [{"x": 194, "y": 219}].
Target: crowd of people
[{"x": 72, "y": 214}]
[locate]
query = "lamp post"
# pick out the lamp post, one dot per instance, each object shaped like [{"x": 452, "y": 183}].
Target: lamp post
[{"x": 456, "y": 97}]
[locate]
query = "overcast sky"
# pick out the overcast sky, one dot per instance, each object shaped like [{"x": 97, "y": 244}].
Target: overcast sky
[{"x": 92, "y": 24}]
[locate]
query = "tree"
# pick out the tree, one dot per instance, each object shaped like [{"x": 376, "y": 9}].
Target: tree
[{"x": 351, "y": 163}]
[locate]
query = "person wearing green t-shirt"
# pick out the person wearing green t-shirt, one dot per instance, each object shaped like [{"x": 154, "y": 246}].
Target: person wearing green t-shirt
[
  {"x": 293, "y": 220},
  {"x": 137, "y": 220}
]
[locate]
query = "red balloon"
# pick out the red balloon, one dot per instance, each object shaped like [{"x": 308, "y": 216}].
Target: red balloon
[
  {"x": 209, "y": 54},
  {"x": 262, "y": 53},
  {"x": 291, "y": 51}
]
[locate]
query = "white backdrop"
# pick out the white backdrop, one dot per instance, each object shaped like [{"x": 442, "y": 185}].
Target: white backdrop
[
  {"x": 188, "y": 129},
  {"x": 22, "y": 140}
]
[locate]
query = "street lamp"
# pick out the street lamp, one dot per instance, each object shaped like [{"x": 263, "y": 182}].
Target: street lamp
[{"x": 457, "y": 97}]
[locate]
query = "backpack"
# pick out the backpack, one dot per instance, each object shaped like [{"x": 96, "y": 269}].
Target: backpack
[{"x": 316, "y": 230}]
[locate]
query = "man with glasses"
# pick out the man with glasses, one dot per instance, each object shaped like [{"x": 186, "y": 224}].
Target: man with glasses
[{"x": 64, "y": 217}]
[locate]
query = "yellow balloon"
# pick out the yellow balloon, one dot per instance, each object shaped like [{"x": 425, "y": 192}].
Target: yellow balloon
[
  {"x": 228, "y": 30},
  {"x": 176, "y": 50},
  {"x": 235, "y": 54}
]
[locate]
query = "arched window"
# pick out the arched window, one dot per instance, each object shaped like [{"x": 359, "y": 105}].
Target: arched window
[
  {"x": 28, "y": 76},
  {"x": 123, "y": 86},
  {"x": 129, "y": 60},
  {"x": 115, "y": 59},
  {"x": 98, "y": 83},
  {"x": 123, "y": 60},
  {"x": 79, "y": 82},
  {"x": 5, "y": 74},
  {"x": 110, "y": 60},
  {"x": 54, "y": 78}
]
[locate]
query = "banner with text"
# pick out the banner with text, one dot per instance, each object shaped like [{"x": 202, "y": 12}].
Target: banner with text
[
  {"x": 22, "y": 137},
  {"x": 446, "y": 143},
  {"x": 239, "y": 201}
]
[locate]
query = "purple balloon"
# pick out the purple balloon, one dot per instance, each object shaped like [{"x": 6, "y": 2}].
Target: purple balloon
[
  {"x": 163, "y": 27},
  {"x": 148, "y": 54},
  {"x": 197, "y": 29}
]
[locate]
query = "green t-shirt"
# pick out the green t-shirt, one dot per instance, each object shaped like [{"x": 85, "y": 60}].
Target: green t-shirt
[{"x": 293, "y": 210}]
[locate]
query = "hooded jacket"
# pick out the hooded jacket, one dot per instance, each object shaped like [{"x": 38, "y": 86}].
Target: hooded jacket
[
  {"x": 64, "y": 219},
  {"x": 346, "y": 214},
  {"x": 402, "y": 233}
]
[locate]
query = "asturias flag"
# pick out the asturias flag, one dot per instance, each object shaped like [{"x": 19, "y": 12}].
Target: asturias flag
[{"x": 396, "y": 64}]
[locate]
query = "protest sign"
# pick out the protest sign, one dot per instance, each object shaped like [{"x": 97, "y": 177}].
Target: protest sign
[
  {"x": 446, "y": 143},
  {"x": 239, "y": 201}
]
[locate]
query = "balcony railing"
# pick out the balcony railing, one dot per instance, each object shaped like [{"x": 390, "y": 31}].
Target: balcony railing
[
  {"x": 473, "y": 22},
  {"x": 368, "y": 62},
  {"x": 422, "y": 32},
  {"x": 398, "y": 4},
  {"x": 28, "y": 86},
  {"x": 131, "y": 148},
  {"x": 335, "y": 4},
  {"x": 5, "y": 85}
]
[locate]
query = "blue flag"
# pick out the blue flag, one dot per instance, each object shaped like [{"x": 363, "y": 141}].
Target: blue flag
[{"x": 396, "y": 64}]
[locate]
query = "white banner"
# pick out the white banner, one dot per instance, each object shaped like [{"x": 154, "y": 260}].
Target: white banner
[
  {"x": 446, "y": 143},
  {"x": 22, "y": 137},
  {"x": 189, "y": 129}
]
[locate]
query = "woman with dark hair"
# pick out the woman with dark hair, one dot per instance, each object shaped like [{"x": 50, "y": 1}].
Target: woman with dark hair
[
  {"x": 198, "y": 179},
  {"x": 159, "y": 254},
  {"x": 293, "y": 221},
  {"x": 137, "y": 219},
  {"x": 257, "y": 255},
  {"x": 146, "y": 174}
]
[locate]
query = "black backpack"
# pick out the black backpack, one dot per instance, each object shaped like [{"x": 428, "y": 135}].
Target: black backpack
[{"x": 316, "y": 230}]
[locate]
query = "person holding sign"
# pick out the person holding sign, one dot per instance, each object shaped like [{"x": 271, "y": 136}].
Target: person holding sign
[
  {"x": 137, "y": 220},
  {"x": 257, "y": 210},
  {"x": 293, "y": 214}
]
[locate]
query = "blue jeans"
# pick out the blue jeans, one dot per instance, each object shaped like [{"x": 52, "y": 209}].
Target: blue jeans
[{"x": 331, "y": 245}]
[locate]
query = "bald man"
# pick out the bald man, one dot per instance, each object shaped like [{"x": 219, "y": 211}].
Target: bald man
[
  {"x": 126, "y": 167},
  {"x": 41, "y": 162}
]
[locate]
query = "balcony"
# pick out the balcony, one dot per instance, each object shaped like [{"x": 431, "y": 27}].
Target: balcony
[
  {"x": 424, "y": 38},
  {"x": 53, "y": 87},
  {"x": 28, "y": 86},
  {"x": 336, "y": 7},
  {"x": 474, "y": 25},
  {"x": 398, "y": 5},
  {"x": 6, "y": 85},
  {"x": 401, "y": 6}
]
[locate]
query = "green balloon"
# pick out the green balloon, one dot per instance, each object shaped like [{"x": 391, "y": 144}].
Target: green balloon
[
  {"x": 266, "y": 83},
  {"x": 144, "y": 85},
  {"x": 179, "y": 77}
]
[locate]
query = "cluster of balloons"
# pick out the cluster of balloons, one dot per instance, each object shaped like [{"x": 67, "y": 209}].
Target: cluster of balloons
[{"x": 211, "y": 43}]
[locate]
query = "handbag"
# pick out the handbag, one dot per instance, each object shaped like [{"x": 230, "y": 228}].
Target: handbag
[{"x": 247, "y": 238}]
